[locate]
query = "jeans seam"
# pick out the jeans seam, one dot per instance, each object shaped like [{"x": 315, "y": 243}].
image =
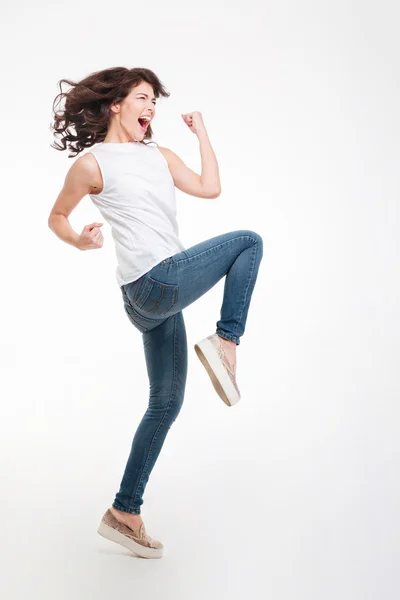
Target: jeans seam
[
  {"x": 247, "y": 285},
  {"x": 136, "y": 291},
  {"x": 161, "y": 297},
  {"x": 173, "y": 388},
  {"x": 215, "y": 247}
]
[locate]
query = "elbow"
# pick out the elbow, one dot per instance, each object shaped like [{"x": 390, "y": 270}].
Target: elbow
[
  {"x": 215, "y": 194},
  {"x": 50, "y": 221}
]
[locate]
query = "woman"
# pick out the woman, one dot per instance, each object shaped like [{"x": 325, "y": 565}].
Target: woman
[{"x": 133, "y": 185}]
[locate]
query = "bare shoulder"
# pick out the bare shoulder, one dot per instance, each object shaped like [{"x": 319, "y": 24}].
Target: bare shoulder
[
  {"x": 87, "y": 170},
  {"x": 80, "y": 180}
]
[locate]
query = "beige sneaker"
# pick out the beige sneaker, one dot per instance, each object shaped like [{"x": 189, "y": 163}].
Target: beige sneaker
[
  {"x": 222, "y": 374},
  {"x": 136, "y": 541}
]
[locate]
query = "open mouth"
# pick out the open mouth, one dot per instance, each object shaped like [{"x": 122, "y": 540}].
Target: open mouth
[{"x": 144, "y": 123}]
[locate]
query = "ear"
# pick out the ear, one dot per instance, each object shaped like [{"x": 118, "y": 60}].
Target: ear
[{"x": 115, "y": 107}]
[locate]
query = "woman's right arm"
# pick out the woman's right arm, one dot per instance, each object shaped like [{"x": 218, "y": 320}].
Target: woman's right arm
[{"x": 79, "y": 181}]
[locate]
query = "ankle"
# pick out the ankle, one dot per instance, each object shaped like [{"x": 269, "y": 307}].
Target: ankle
[
  {"x": 228, "y": 343},
  {"x": 125, "y": 515}
]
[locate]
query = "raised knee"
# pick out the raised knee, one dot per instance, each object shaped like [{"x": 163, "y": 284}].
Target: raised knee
[{"x": 256, "y": 236}]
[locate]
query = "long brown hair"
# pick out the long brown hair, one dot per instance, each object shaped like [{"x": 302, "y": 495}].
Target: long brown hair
[{"x": 87, "y": 105}]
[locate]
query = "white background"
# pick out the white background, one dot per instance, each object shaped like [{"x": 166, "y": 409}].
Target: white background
[{"x": 293, "y": 494}]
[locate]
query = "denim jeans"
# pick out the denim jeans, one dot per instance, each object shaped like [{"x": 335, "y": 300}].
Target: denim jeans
[{"x": 154, "y": 305}]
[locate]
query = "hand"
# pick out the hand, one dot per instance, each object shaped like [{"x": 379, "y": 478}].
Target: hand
[
  {"x": 91, "y": 237},
  {"x": 194, "y": 121}
]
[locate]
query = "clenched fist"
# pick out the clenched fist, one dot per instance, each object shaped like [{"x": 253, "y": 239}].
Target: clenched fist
[
  {"x": 194, "y": 120},
  {"x": 91, "y": 237}
]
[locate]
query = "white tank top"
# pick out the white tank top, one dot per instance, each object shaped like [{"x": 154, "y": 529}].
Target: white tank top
[{"x": 138, "y": 202}]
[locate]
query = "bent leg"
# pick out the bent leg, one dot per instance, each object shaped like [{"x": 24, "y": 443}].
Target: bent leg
[
  {"x": 236, "y": 255},
  {"x": 238, "y": 290}
]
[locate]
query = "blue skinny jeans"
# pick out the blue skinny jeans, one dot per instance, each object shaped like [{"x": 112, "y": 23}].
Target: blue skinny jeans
[{"x": 154, "y": 305}]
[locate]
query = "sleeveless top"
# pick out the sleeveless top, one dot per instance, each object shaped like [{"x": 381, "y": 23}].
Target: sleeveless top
[{"x": 138, "y": 202}]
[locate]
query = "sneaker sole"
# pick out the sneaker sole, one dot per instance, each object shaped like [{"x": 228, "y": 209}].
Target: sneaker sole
[
  {"x": 115, "y": 536},
  {"x": 218, "y": 375}
]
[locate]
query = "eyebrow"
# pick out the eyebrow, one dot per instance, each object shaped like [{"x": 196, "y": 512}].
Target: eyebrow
[{"x": 143, "y": 94}]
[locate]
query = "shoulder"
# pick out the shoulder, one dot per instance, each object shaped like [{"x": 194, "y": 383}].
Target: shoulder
[
  {"x": 86, "y": 162},
  {"x": 86, "y": 170},
  {"x": 169, "y": 156}
]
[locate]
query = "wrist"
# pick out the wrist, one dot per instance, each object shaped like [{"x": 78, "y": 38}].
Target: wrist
[
  {"x": 201, "y": 133},
  {"x": 75, "y": 241}
]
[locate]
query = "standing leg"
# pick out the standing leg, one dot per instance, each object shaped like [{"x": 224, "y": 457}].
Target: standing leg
[{"x": 165, "y": 350}]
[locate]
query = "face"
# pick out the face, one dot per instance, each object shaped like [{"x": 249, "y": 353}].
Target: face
[{"x": 133, "y": 110}]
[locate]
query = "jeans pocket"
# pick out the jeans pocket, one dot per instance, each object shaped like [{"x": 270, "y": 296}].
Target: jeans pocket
[
  {"x": 156, "y": 297},
  {"x": 131, "y": 290}
]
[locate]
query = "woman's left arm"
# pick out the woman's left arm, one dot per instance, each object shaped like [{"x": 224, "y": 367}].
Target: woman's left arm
[
  {"x": 206, "y": 185},
  {"x": 209, "y": 165}
]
